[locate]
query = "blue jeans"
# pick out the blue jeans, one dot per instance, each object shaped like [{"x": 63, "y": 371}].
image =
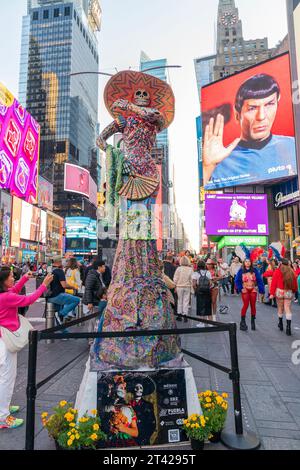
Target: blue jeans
[{"x": 67, "y": 302}]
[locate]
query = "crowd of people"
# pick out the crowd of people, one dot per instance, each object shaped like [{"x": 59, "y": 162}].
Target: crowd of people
[
  {"x": 273, "y": 282},
  {"x": 64, "y": 282}
]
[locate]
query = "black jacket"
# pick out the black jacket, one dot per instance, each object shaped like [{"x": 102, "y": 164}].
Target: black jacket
[
  {"x": 92, "y": 285},
  {"x": 169, "y": 269},
  {"x": 106, "y": 276}
]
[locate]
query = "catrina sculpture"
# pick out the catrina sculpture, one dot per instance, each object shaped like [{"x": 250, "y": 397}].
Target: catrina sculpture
[{"x": 138, "y": 299}]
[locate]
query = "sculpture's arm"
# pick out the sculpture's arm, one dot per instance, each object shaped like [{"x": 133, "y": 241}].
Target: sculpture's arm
[{"x": 116, "y": 126}]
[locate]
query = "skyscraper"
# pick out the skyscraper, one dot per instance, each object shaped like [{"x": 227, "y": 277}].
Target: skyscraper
[
  {"x": 234, "y": 53},
  {"x": 58, "y": 39},
  {"x": 161, "y": 150}
]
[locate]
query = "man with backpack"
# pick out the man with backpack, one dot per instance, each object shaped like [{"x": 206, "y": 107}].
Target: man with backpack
[{"x": 202, "y": 289}]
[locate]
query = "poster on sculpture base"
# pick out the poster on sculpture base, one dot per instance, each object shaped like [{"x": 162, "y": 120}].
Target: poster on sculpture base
[{"x": 142, "y": 408}]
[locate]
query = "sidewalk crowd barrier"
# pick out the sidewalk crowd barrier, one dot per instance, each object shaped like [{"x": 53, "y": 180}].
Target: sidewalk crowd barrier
[{"x": 240, "y": 440}]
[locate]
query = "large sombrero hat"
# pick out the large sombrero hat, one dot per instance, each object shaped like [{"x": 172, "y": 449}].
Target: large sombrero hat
[
  {"x": 146, "y": 382},
  {"x": 124, "y": 85}
]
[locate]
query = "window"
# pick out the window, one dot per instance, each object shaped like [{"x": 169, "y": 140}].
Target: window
[
  {"x": 75, "y": 16},
  {"x": 227, "y": 61},
  {"x": 56, "y": 12},
  {"x": 46, "y": 14},
  {"x": 67, "y": 11},
  {"x": 225, "y": 50},
  {"x": 242, "y": 58},
  {"x": 35, "y": 16}
]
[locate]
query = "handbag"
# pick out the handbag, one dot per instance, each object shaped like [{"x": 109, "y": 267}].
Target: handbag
[{"x": 16, "y": 340}]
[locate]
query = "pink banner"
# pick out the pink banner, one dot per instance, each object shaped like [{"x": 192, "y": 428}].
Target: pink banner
[{"x": 77, "y": 180}]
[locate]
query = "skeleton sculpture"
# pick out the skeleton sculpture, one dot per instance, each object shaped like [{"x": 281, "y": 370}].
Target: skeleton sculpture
[{"x": 138, "y": 299}]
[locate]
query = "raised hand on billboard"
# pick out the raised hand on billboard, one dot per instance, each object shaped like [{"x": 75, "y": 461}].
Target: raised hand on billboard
[{"x": 214, "y": 151}]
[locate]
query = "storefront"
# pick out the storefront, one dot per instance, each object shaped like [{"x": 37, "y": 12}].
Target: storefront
[
  {"x": 227, "y": 244},
  {"x": 55, "y": 230},
  {"x": 286, "y": 198}
]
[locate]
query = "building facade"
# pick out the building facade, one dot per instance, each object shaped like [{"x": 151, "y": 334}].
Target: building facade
[
  {"x": 234, "y": 53},
  {"x": 58, "y": 40}
]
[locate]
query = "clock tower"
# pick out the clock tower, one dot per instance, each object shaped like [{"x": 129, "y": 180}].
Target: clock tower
[{"x": 233, "y": 52}]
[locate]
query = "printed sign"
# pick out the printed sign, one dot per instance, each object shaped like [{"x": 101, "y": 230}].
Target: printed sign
[{"x": 142, "y": 408}]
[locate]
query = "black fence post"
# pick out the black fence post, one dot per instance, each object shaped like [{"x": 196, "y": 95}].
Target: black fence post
[
  {"x": 235, "y": 377},
  {"x": 240, "y": 440},
  {"x": 31, "y": 390}
]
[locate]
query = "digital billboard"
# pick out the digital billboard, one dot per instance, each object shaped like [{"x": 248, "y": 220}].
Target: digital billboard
[
  {"x": 16, "y": 222},
  {"x": 45, "y": 194},
  {"x": 5, "y": 218},
  {"x": 236, "y": 214},
  {"x": 81, "y": 235},
  {"x": 19, "y": 148},
  {"x": 77, "y": 180},
  {"x": 248, "y": 126}
]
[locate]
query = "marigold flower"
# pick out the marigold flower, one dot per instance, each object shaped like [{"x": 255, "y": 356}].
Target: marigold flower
[
  {"x": 62, "y": 403},
  {"x": 208, "y": 399},
  {"x": 70, "y": 442},
  {"x": 94, "y": 412},
  {"x": 72, "y": 425},
  {"x": 208, "y": 405},
  {"x": 225, "y": 395},
  {"x": 77, "y": 436},
  {"x": 96, "y": 427},
  {"x": 44, "y": 415},
  {"x": 94, "y": 437}
]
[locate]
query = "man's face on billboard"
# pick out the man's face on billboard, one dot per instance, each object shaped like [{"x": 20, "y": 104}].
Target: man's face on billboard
[{"x": 257, "y": 117}]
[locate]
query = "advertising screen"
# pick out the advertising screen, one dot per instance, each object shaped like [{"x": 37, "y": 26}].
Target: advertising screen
[
  {"x": 19, "y": 148},
  {"x": 77, "y": 180},
  {"x": 55, "y": 226},
  {"x": 236, "y": 214},
  {"x": 248, "y": 127},
  {"x": 16, "y": 222},
  {"x": 81, "y": 227},
  {"x": 45, "y": 194},
  {"x": 93, "y": 192}
]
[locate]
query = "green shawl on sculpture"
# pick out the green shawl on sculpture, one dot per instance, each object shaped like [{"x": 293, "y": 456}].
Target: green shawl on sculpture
[{"x": 114, "y": 182}]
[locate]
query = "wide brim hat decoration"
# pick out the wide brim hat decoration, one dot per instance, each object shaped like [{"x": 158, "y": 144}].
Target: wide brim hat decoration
[
  {"x": 146, "y": 382},
  {"x": 124, "y": 84}
]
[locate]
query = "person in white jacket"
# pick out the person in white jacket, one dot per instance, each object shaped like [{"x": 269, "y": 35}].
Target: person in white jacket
[{"x": 183, "y": 281}]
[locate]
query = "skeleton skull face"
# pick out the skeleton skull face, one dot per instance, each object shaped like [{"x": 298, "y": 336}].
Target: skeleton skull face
[{"x": 141, "y": 97}]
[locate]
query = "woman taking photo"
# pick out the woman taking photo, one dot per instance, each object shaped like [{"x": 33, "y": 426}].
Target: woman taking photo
[
  {"x": 10, "y": 301},
  {"x": 283, "y": 287},
  {"x": 248, "y": 282}
]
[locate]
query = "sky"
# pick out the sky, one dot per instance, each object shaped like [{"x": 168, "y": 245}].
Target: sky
[{"x": 177, "y": 30}]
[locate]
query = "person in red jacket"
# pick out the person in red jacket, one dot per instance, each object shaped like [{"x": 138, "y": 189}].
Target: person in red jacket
[
  {"x": 283, "y": 287},
  {"x": 10, "y": 301}
]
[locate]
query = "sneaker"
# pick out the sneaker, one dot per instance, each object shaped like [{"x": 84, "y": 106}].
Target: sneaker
[
  {"x": 11, "y": 423},
  {"x": 14, "y": 409},
  {"x": 200, "y": 325},
  {"x": 58, "y": 319}
]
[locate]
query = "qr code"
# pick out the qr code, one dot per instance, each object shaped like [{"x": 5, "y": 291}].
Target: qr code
[
  {"x": 261, "y": 228},
  {"x": 174, "y": 435}
]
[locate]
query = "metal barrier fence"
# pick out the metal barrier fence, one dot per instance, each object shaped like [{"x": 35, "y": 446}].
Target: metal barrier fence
[{"x": 241, "y": 440}]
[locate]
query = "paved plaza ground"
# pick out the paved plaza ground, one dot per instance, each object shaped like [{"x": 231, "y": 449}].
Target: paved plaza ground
[{"x": 270, "y": 382}]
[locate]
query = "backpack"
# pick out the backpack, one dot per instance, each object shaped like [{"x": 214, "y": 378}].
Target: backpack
[{"x": 203, "y": 285}]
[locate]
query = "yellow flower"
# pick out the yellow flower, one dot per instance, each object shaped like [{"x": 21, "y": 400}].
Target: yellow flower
[
  {"x": 62, "y": 403},
  {"x": 44, "y": 415},
  {"x": 208, "y": 400},
  {"x": 69, "y": 433},
  {"x": 70, "y": 442},
  {"x": 72, "y": 425},
  {"x": 94, "y": 437},
  {"x": 69, "y": 417},
  {"x": 208, "y": 405},
  {"x": 208, "y": 393},
  {"x": 188, "y": 425},
  {"x": 83, "y": 420},
  {"x": 197, "y": 426},
  {"x": 225, "y": 395},
  {"x": 77, "y": 436},
  {"x": 94, "y": 412},
  {"x": 96, "y": 427}
]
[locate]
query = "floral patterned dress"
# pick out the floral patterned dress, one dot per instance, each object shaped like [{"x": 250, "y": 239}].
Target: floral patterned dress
[{"x": 138, "y": 299}]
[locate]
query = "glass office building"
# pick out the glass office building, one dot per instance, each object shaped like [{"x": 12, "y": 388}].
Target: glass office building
[
  {"x": 58, "y": 39},
  {"x": 204, "y": 68}
]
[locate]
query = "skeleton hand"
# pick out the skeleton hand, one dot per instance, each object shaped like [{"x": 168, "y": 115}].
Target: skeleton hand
[
  {"x": 214, "y": 151},
  {"x": 121, "y": 104},
  {"x": 101, "y": 143}
]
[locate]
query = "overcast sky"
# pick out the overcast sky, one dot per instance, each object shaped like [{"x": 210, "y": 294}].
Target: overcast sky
[{"x": 175, "y": 29}]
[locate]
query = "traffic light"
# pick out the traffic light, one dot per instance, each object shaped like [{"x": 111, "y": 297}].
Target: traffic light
[{"x": 288, "y": 229}]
